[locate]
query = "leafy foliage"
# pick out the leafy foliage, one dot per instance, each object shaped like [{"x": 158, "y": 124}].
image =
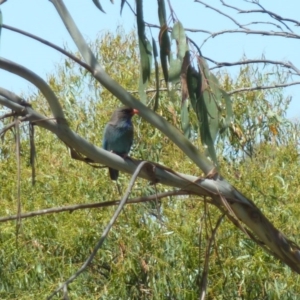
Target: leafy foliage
[{"x": 144, "y": 258}]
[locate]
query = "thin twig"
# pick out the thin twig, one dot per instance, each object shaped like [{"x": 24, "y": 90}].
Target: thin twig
[
  {"x": 71, "y": 208},
  {"x": 105, "y": 232},
  {"x": 259, "y": 87},
  {"x": 61, "y": 50},
  {"x": 272, "y": 14},
  {"x": 287, "y": 65},
  {"x": 204, "y": 281},
  {"x": 221, "y": 13},
  {"x": 32, "y": 151},
  {"x": 11, "y": 114},
  {"x": 18, "y": 158}
]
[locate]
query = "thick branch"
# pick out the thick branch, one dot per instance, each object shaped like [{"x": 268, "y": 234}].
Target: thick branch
[{"x": 39, "y": 83}]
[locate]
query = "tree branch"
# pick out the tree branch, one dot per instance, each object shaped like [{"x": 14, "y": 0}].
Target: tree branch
[
  {"x": 47, "y": 43},
  {"x": 112, "y": 86},
  {"x": 72, "y": 208},
  {"x": 287, "y": 65},
  {"x": 261, "y": 87}
]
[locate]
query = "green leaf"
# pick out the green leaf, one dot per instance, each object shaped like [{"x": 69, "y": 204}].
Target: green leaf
[
  {"x": 165, "y": 49},
  {"x": 144, "y": 45},
  {"x": 97, "y": 3},
  {"x": 185, "y": 119},
  {"x": 162, "y": 13},
  {"x": 1, "y": 22},
  {"x": 175, "y": 70},
  {"x": 204, "y": 93},
  {"x": 212, "y": 94},
  {"x": 213, "y": 103},
  {"x": 207, "y": 124},
  {"x": 229, "y": 112},
  {"x": 122, "y": 5},
  {"x": 155, "y": 54},
  {"x": 178, "y": 34},
  {"x": 146, "y": 60}
]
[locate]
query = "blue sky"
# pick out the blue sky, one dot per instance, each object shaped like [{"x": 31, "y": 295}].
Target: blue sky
[{"x": 39, "y": 17}]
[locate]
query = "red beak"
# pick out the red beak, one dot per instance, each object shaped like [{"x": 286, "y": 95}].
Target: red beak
[{"x": 135, "y": 111}]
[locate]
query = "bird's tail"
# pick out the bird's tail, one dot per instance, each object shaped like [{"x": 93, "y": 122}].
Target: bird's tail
[{"x": 114, "y": 174}]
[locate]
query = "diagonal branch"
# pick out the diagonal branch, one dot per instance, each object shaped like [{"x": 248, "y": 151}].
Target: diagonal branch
[
  {"x": 119, "y": 92},
  {"x": 221, "y": 13},
  {"x": 47, "y": 43},
  {"x": 105, "y": 232}
]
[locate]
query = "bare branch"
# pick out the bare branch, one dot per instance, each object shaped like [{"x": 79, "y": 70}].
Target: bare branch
[
  {"x": 11, "y": 114},
  {"x": 18, "y": 159},
  {"x": 221, "y": 13},
  {"x": 266, "y": 87},
  {"x": 59, "y": 49},
  {"x": 270, "y": 13},
  {"x": 204, "y": 276},
  {"x": 287, "y": 65},
  {"x": 72, "y": 208},
  {"x": 260, "y": 32}
]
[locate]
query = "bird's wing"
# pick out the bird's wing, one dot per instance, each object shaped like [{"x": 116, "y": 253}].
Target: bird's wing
[{"x": 106, "y": 136}]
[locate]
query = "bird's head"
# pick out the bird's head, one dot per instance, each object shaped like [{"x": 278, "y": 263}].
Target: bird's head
[{"x": 123, "y": 114}]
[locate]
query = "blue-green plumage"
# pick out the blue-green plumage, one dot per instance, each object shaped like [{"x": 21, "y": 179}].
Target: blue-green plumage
[{"x": 118, "y": 135}]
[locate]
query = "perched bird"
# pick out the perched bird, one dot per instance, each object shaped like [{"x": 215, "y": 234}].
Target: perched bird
[{"x": 118, "y": 134}]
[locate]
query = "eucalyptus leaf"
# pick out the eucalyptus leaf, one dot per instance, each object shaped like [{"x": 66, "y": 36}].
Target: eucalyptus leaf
[
  {"x": 229, "y": 112},
  {"x": 185, "y": 119},
  {"x": 144, "y": 45},
  {"x": 1, "y": 22},
  {"x": 165, "y": 49},
  {"x": 175, "y": 70},
  {"x": 122, "y": 5},
  {"x": 178, "y": 33},
  {"x": 155, "y": 54},
  {"x": 162, "y": 12},
  {"x": 98, "y": 4}
]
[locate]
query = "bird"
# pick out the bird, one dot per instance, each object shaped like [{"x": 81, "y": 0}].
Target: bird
[{"x": 118, "y": 135}]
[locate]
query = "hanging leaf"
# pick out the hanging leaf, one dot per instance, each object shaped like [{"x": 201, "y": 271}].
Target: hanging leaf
[
  {"x": 146, "y": 58},
  {"x": 122, "y": 5},
  {"x": 176, "y": 64},
  {"x": 229, "y": 112},
  {"x": 183, "y": 77},
  {"x": 145, "y": 51},
  {"x": 185, "y": 119},
  {"x": 162, "y": 13},
  {"x": 175, "y": 70},
  {"x": 155, "y": 54},
  {"x": 178, "y": 34},
  {"x": 212, "y": 97},
  {"x": 203, "y": 93},
  {"x": 1, "y": 22},
  {"x": 97, "y": 3},
  {"x": 165, "y": 49}
]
